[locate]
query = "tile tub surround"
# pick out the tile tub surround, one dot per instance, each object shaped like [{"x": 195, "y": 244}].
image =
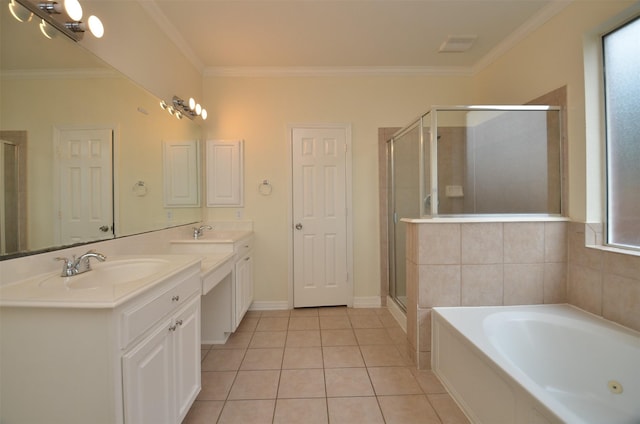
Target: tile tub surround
[
  {"x": 602, "y": 281},
  {"x": 318, "y": 365},
  {"x": 480, "y": 264}
]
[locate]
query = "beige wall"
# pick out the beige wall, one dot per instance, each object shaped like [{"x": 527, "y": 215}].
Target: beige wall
[
  {"x": 549, "y": 58},
  {"x": 258, "y": 110}
]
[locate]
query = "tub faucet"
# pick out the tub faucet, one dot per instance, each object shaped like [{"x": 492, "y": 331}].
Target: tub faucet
[
  {"x": 197, "y": 232},
  {"x": 73, "y": 266}
]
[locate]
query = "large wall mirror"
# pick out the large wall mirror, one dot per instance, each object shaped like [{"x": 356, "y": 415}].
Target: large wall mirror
[{"x": 81, "y": 153}]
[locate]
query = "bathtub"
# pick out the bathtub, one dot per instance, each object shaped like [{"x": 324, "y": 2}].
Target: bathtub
[{"x": 537, "y": 364}]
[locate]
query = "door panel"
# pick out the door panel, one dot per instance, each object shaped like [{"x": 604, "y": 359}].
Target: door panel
[{"x": 320, "y": 217}]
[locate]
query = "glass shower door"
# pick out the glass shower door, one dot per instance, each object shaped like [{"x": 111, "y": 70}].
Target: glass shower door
[{"x": 404, "y": 202}]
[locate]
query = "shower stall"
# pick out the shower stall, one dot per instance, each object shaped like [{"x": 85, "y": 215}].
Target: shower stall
[{"x": 471, "y": 161}]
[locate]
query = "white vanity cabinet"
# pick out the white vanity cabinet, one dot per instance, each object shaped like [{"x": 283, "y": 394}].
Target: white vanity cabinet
[
  {"x": 161, "y": 376},
  {"x": 135, "y": 362},
  {"x": 244, "y": 284}
]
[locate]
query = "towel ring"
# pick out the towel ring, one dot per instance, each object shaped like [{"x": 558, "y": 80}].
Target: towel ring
[
  {"x": 140, "y": 188},
  {"x": 265, "y": 188}
]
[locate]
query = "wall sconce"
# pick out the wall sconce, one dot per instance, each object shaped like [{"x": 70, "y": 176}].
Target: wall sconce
[
  {"x": 64, "y": 17},
  {"x": 180, "y": 108}
]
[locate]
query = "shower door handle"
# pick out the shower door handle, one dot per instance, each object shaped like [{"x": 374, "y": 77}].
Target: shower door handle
[{"x": 298, "y": 226}]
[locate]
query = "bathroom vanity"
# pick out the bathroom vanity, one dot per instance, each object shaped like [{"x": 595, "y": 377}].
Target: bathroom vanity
[
  {"x": 227, "y": 293},
  {"x": 103, "y": 347}
]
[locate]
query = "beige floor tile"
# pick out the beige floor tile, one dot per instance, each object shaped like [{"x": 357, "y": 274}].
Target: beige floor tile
[
  {"x": 338, "y": 337},
  {"x": 304, "y": 323},
  {"x": 247, "y": 324},
  {"x": 304, "y": 312},
  {"x": 354, "y": 410},
  {"x": 216, "y": 385},
  {"x": 372, "y": 336},
  {"x": 361, "y": 311},
  {"x": 263, "y": 359},
  {"x": 365, "y": 321},
  {"x": 203, "y": 354},
  {"x": 253, "y": 314},
  {"x": 307, "y": 338},
  {"x": 205, "y": 346},
  {"x": 332, "y": 322},
  {"x": 308, "y": 383},
  {"x": 333, "y": 311},
  {"x": 343, "y": 382},
  {"x": 272, "y": 324},
  {"x": 301, "y": 411},
  {"x": 204, "y": 412},
  {"x": 223, "y": 360},
  {"x": 397, "y": 335},
  {"x": 447, "y": 409},
  {"x": 235, "y": 341},
  {"x": 262, "y": 339},
  {"x": 428, "y": 381},
  {"x": 342, "y": 357},
  {"x": 407, "y": 409},
  {"x": 382, "y": 356},
  {"x": 302, "y": 357},
  {"x": 393, "y": 381},
  {"x": 255, "y": 385},
  {"x": 248, "y": 411}
]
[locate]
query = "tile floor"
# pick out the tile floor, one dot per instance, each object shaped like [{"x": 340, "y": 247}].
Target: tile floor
[{"x": 318, "y": 365}]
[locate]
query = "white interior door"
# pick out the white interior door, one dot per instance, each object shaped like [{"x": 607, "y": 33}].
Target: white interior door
[
  {"x": 320, "y": 256},
  {"x": 85, "y": 184}
]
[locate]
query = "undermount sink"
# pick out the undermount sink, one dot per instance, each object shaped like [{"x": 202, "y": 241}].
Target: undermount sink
[{"x": 109, "y": 273}]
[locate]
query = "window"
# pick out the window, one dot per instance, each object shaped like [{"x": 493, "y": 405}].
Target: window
[{"x": 621, "y": 59}]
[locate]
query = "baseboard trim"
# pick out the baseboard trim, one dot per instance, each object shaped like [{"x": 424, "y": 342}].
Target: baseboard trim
[
  {"x": 397, "y": 313},
  {"x": 367, "y": 302},
  {"x": 263, "y": 305}
]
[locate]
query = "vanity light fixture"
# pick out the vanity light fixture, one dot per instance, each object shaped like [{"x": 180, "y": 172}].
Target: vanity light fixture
[
  {"x": 190, "y": 109},
  {"x": 63, "y": 15},
  {"x": 18, "y": 11}
]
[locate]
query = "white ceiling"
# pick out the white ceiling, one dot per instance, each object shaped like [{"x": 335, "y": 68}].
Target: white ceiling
[{"x": 345, "y": 34}]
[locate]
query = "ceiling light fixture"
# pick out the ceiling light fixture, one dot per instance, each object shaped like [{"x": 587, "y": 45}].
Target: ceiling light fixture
[{"x": 457, "y": 43}]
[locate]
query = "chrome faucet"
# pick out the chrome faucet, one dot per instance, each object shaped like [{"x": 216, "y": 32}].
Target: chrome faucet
[
  {"x": 73, "y": 266},
  {"x": 197, "y": 232}
]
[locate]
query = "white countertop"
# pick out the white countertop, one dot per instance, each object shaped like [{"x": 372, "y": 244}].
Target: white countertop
[
  {"x": 216, "y": 237},
  {"x": 57, "y": 292}
]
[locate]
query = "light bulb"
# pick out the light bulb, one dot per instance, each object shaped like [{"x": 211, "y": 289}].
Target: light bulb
[
  {"x": 47, "y": 30},
  {"x": 21, "y": 13},
  {"x": 95, "y": 26},
  {"x": 203, "y": 114},
  {"x": 198, "y": 109},
  {"x": 163, "y": 105},
  {"x": 192, "y": 103},
  {"x": 171, "y": 110},
  {"x": 73, "y": 9},
  {"x": 179, "y": 115}
]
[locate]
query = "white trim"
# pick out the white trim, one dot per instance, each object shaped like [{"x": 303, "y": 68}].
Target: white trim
[
  {"x": 337, "y": 71},
  {"x": 152, "y": 9},
  {"x": 397, "y": 313},
  {"x": 22, "y": 74},
  {"x": 367, "y": 302},
  {"x": 265, "y": 305},
  {"x": 349, "y": 203},
  {"x": 523, "y": 31}
]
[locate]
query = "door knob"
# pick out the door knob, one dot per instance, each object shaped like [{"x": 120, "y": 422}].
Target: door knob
[
  {"x": 104, "y": 228},
  {"x": 298, "y": 226}
]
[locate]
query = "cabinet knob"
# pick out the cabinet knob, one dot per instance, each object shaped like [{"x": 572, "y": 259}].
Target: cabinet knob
[
  {"x": 175, "y": 298},
  {"x": 298, "y": 226},
  {"x": 172, "y": 328},
  {"x": 179, "y": 322}
]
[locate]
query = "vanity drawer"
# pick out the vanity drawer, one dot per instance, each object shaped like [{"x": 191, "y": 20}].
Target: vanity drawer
[
  {"x": 241, "y": 247},
  {"x": 141, "y": 316}
]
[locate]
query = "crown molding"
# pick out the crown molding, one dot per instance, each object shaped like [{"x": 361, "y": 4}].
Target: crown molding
[
  {"x": 337, "y": 71},
  {"x": 524, "y": 30},
  {"x": 152, "y": 9},
  {"x": 18, "y": 74}
]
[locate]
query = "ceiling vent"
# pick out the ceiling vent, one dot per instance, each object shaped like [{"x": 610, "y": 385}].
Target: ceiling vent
[{"x": 457, "y": 43}]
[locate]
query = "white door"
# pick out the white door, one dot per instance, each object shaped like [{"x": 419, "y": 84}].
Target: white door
[
  {"x": 320, "y": 264},
  {"x": 85, "y": 184}
]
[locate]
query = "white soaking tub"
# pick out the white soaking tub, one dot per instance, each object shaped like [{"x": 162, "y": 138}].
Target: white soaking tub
[{"x": 537, "y": 364}]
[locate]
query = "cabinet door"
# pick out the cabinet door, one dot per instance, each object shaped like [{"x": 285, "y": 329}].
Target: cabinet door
[
  {"x": 187, "y": 360},
  {"x": 224, "y": 165},
  {"x": 244, "y": 286},
  {"x": 148, "y": 380}
]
